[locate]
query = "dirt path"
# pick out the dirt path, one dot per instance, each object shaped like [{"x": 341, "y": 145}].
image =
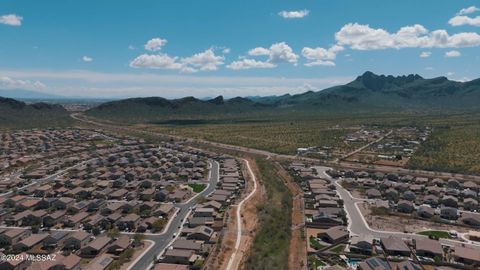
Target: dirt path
[
  {"x": 297, "y": 258},
  {"x": 218, "y": 257},
  {"x": 249, "y": 226}
]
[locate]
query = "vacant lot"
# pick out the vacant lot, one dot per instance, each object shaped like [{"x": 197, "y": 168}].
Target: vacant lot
[{"x": 277, "y": 136}]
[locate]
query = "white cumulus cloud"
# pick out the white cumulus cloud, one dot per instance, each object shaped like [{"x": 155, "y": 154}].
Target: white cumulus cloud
[
  {"x": 258, "y": 51},
  {"x": 464, "y": 20},
  {"x": 156, "y": 61},
  {"x": 321, "y": 56},
  {"x": 248, "y": 64},
  {"x": 452, "y": 54},
  {"x": 155, "y": 44},
  {"x": 425, "y": 54},
  {"x": 87, "y": 59},
  {"x": 363, "y": 37},
  {"x": 11, "y": 83},
  {"x": 468, "y": 10},
  {"x": 282, "y": 53},
  {"x": 11, "y": 19},
  {"x": 277, "y": 53},
  {"x": 206, "y": 60},
  {"x": 294, "y": 14}
]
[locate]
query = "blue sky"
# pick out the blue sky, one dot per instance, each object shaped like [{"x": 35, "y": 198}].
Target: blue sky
[{"x": 206, "y": 48}]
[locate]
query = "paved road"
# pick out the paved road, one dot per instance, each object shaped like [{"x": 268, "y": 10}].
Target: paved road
[
  {"x": 363, "y": 147},
  {"x": 161, "y": 241},
  {"x": 357, "y": 225}
]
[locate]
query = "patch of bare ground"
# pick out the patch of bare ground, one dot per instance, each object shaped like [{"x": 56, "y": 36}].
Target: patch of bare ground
[
  {"x": 138, "y": 252},
  {"x": 403, "y": 222},
  {"x": 220, "y": 258}
]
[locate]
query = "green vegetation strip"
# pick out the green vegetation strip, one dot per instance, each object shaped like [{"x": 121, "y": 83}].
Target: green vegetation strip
[
  {"x": 314, "y": 262},
  {"x": 435, "y": 234},
  {"x": 271, "y": 243},
  {"x": 197, "y": 188},
  {"x": 338, "y": 249},
  {"x": 315, "y": 244}
]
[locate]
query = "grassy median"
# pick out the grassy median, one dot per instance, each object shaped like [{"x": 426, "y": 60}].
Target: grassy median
[{"x": 270, "y": 246}]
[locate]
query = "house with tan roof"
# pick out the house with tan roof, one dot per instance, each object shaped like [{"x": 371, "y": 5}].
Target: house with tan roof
[
  {"x": 428, "y": 248},
  {"x": 77, "y": 240},
  {"x": 94, "y": 248},
  {"x": 29, "y": 242},
  {"x": 71, "y": 262},
  {"x": 467, "y": 256},
  {"x": 335, "y": 235},
  {"x": 179, "y": 256},
  {"x": 395, "y": 246},
  {"x": 12, "y": 236},
  {"x": 120, "y": 245}
]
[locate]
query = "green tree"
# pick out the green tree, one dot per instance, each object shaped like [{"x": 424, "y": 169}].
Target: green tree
[
  {"x": 127, "y": 254},
  {"x": 115, "y": 265},
  {"x": 113, "y": 232},
  {"x": 138, "y": 238},
  {"x": 158, "y": 225},
  {"x": 35, "y": 228}
]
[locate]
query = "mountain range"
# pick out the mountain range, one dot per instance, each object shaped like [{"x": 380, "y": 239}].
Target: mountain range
[{"x": 367, "y": 93}]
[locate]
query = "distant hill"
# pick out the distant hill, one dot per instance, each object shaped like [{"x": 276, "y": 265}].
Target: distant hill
[
  {"x": 367, "y": 93},
  {"x": 153, "y": 109},
  {"x": 22, "y": 94},
  {"x": 17, "y": 114}
]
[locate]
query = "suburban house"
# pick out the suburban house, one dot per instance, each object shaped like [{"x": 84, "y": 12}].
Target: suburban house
[
  {"x": 472, "y": 219},
  {"x": 425, "y": 211},
  {"x": 334, "y": 235},
  {"x": 95, "y": 247},
  {"x": 428, "y": 248},
  {"x": 170, "y": 266},
  {"x": 179, "y": 256},
  {"x": 119, "y": 245},
  {"x": 374, "y": 263},
  {"x": 76, "y": 240},
  {"x": 188, "y": 245},
  {"x": 12, "y": 236},
  {"x": 449, "y": 213},
  {"x": 467, "y": 256},
  {"x": 405, "y": 206},
  {"x": 29, "y": 242},
  {"x": 395, "y": 246},
  {"x": 362, "y": 244}
]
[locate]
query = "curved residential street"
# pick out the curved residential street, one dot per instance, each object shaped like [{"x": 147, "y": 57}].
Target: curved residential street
[
  {"x": 357, "y": 225},
  {"x": 161, "y": 241}
]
